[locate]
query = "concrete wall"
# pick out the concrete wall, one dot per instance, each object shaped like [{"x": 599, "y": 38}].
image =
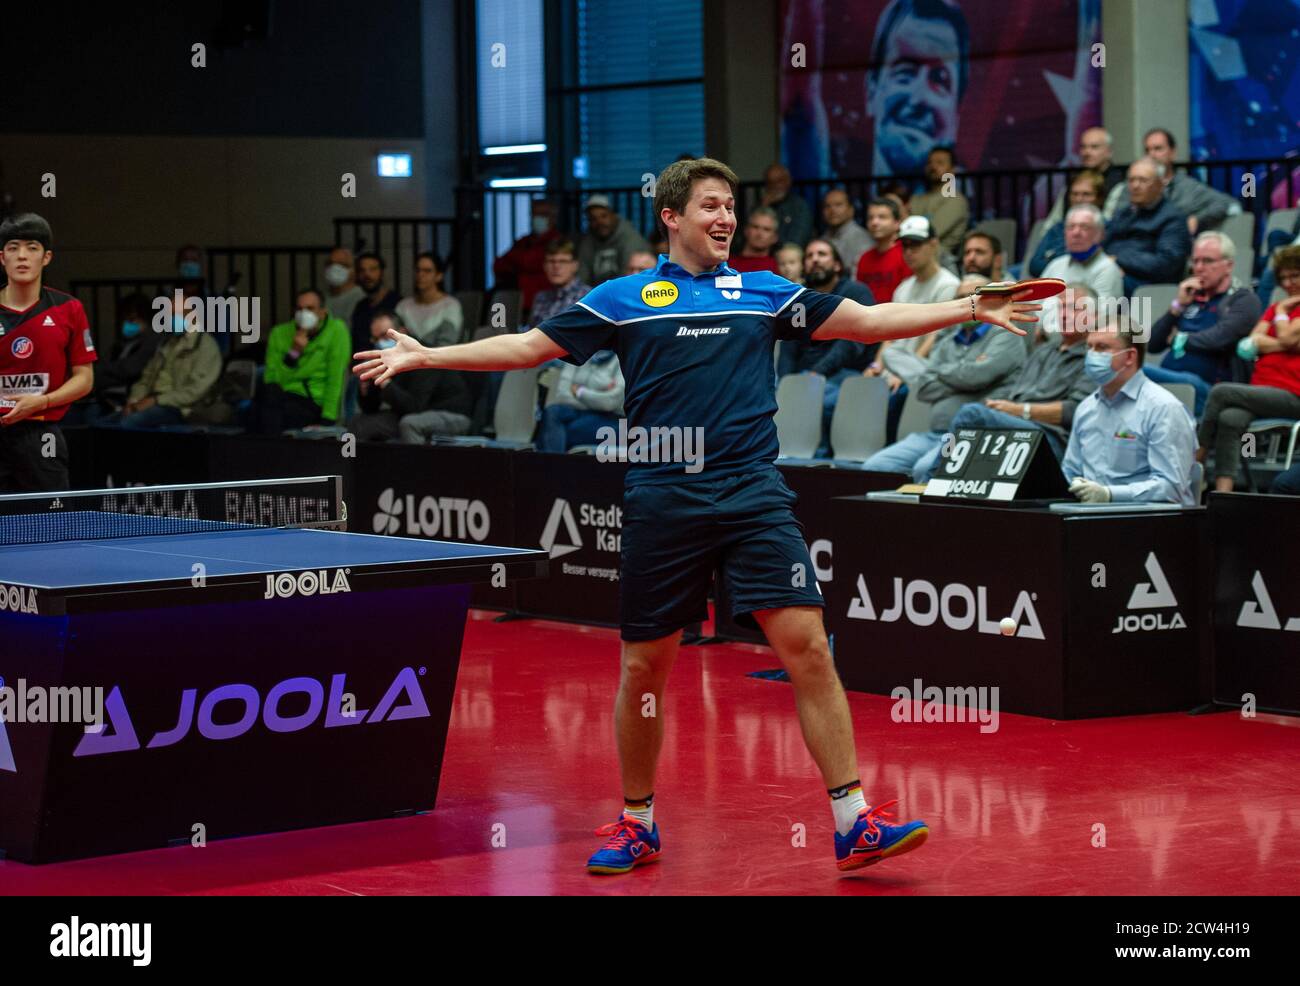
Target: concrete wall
[
  {"x": 741, "y": 112},
  {"x": 1145, "y": 82}
]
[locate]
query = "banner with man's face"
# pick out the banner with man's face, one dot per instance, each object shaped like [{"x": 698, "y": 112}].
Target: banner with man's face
[{"x": 877, "y": 83}]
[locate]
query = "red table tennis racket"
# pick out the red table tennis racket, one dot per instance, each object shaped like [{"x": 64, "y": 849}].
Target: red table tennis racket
[{"x": 1038, "y": 288}]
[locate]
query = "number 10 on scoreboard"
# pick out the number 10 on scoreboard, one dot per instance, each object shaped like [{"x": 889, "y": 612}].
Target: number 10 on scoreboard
[{"x": 983, "y": 463}]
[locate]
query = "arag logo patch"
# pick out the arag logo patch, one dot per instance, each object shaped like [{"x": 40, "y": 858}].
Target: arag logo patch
[{"x": 659, "y": 294}]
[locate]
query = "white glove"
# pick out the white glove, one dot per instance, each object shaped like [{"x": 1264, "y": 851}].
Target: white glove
[{"x": 1088, "y": 491}]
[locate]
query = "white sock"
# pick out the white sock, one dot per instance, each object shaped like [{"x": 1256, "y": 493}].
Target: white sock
[
  {"x": 642, "y": 811},
  {"x": 847, "y": 803}
]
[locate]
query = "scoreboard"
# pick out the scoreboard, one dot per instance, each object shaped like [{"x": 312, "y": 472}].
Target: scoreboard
[{"x": 996, "y": 465}]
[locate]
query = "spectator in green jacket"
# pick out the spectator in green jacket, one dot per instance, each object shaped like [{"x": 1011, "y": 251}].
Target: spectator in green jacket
[{"x": 306, "y": 362}]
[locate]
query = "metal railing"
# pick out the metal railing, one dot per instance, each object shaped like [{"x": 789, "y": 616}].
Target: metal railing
[
  {"x": 399, "y": 240},
  {"x": 101, "y": 296},
  {"x": 275, "y": 274}
]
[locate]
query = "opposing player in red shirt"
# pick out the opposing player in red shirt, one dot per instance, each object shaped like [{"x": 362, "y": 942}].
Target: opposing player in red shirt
[{"x": 46, "y": 352}]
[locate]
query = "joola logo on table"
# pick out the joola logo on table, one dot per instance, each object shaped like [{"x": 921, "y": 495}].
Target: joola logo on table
[
  {"x": 1260, "y": 613},
  {"x": 198, "y": 712},
  {"x": 1155, "y": 594},
  {"x": 956, "y": 605},
  {"x": 286, "y": 584},
  {"x": 17, "y": 599},
  {"x": 659, "y": 294}
]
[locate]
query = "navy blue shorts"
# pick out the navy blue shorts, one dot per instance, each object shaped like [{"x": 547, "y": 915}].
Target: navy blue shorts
[{"x": 676, "y": 535}]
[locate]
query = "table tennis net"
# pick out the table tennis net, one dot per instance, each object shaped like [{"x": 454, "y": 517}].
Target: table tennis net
[{"x": 154, "y": 510}]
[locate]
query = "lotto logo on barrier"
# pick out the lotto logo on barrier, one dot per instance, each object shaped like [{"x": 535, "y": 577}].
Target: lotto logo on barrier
[
  {"x": 444, "y": 516},
  {"x": 18, "y": 599},
  {"x": 956, "y": 605},
  {"x": 285, "y": 584},
  {"x": 1260, "y": 613},
  {"x": 202, "y": 713},
  {"x": 1154, "y": 594}
]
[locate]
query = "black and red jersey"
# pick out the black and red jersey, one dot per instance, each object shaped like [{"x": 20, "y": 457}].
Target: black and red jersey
[{"x": 39, "y": 347}]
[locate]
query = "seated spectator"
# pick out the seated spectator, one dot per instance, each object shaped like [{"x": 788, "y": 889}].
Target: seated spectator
[
  {"x": 972, "y": 362},
  {"x": 1148, "y": 238},
  {"x": 945, "y": 206},
  {"x": 928, "y": 283},
  {"x": 179, "y": 379},
  {"x": 1096, "y": 153},
  {"x": 430, "y": 314},
  {"x": 342, "y": 291},
  {"x": 414, "y": 406},
  {"x": 850, "y": 240},
  {"x": 1276, "y": 240},
  {"x": 834, "y": 359},
  {"x": 1082, "y": 263},
  {"x": 1085, "y": 189},
  {"x": 793, "y": 217},
  {"x": 377, "y": 296},
  {"x": 610, "y": 240},
  {"x": 789, "y": 260},
  {"x": 1132, "y": 440},
  {"x": 882, "y": 267},
  {"x": 189, "y": 270},
  {"x": 584, "y": 399},
  {"x": 759, "y": 242},
  {"x": 1205, "y": 321},
  {"x": 520, "y": 267},
  {"x": 639, "y": 261},
  {"x": 981, "y": 253},
  {"x": 306, "y": 362},
  {"x": 1287, "y": 483},
  {"x": 1274, "y": 388},
  {"x": 1204, "y": 208},
  {"x": 564, "y": 286},
  {"x": 901, "y": 193},
  {"x": 133, "y": 347},
  {"x": 1047, "y": 390}
]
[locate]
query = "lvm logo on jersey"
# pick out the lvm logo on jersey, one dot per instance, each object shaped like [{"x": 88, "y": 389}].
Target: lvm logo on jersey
[
  {"x": 194, "y": 711},
  {"x": 958, "y": 606},
  {"x": 430, "y": 516},
  {"x": 1154, "y": 594}
]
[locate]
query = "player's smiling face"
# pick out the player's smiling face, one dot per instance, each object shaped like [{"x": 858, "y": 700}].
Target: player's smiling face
[{"x": 702, "y": 233}]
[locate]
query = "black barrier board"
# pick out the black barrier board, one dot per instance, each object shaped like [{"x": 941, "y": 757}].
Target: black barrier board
[
  {"x": 572, "y": 507},
  {"x": 1256, "y": 600},
  {"x": 1106, "y": 609},
  {"x": 445, "y": 494}
]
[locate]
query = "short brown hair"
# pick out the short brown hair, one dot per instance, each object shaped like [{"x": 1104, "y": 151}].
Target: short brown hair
[
  {"x": 561, "y": 246},
  {"x": 673, "y": 187},
  {"x": 1094, "y": 178},
  {"x": 1286, "y": 258}
]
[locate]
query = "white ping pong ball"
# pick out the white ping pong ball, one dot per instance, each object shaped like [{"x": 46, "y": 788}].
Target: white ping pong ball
[{"x": 1008, "y": 626}]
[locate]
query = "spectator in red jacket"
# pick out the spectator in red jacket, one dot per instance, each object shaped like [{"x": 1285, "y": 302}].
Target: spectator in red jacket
[{"x": 523, "y": 265}]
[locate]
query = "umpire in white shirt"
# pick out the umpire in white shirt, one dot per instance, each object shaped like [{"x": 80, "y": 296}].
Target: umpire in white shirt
[{"x": 1132, "y": 440}]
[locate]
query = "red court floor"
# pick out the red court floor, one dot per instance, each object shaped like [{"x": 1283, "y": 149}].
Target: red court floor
[{"x": 1190, "y": 805}]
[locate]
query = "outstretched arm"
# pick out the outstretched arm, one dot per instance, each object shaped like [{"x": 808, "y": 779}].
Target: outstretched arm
[
  {"x": 504, "y": 352},
  {"x": 899, "y": 321}
]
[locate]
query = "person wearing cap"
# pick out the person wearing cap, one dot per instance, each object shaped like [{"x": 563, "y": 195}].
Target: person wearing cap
[
  {"x": 928, "y": 283},
  {"x": 46, "y": 352},
  {"x": 609, "y": 242}
]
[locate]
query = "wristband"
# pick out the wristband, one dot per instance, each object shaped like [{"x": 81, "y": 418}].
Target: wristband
[
  {"x": 1281, "y": 318},
  {"x": 1025, "y": 412},
  {"x": 1176, "y": 307},
  {"x": 972, "y": 309}
]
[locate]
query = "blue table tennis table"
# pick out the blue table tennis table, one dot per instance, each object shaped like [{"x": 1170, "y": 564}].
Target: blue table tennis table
[{"x": 229, "y": 678}]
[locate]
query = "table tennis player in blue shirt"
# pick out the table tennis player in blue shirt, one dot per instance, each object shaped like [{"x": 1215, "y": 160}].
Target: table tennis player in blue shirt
[{"x": 695, "y": 341}]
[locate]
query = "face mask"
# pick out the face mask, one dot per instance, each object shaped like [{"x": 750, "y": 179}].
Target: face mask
[
  {"x": 386, "y": 343},
  {"x": 178, "y": 324},
  {"x": 541, "y": 225},
  {"x": 336, "y": 275},
  {"x": 1097, "y": 366},
  {"x": 130, "y": 330},
  {"x": 1082, "y": 258},
  {"x": 189, "y": 269},
  {"x": 306, "y": 320}
]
